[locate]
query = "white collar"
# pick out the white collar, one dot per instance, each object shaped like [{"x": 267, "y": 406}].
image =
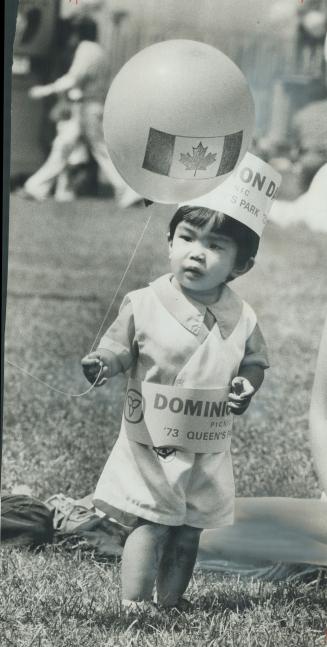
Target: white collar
[{"x": 190, "y": 313}]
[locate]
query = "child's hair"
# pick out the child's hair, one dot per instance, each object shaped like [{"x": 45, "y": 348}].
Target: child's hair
[{"x": 246, "y": 239}]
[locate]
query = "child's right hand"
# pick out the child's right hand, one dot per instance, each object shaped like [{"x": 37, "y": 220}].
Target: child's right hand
[{"x": 94, "y": 369}]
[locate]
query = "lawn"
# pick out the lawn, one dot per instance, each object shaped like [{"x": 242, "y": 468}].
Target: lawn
[{"x": 66, "y": 262}]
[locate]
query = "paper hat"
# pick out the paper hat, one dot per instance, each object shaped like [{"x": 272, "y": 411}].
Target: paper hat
[{"x": 247, "y": 195}]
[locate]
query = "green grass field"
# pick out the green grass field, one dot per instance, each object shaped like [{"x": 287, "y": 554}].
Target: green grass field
[{"x": 65, "y": 263}]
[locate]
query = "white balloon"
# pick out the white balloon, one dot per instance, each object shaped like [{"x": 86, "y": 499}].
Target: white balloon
[{"x": 178, "y": 118}]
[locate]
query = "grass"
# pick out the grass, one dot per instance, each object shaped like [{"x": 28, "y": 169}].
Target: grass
[
  {"x": 55, "y": 599},
  {"x": 65, "y": 265}
]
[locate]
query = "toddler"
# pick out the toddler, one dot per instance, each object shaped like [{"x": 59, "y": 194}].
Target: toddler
[{"x": 187, "y": 330}]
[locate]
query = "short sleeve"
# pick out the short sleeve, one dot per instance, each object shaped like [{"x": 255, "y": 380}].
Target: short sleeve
[
  {"x": 119, "y": 339},
  {"x": 256, "y": 349}
]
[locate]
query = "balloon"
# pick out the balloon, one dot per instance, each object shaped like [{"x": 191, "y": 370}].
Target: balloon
[{"x": 178, "y": 118}]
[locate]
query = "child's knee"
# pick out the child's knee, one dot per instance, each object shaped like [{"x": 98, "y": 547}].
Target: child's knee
[
  {"x": 150, "y": 537},
  {"x": 190, "y": 535},
  {"x": 186, "y": 541},
  {"x": 157, "y": 530}
]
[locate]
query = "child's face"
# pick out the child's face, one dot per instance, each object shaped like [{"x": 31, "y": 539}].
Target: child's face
[{"x": 200, "y": 259}]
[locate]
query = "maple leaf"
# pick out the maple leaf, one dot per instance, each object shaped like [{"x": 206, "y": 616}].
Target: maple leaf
[{"x": 199, "y": 161}]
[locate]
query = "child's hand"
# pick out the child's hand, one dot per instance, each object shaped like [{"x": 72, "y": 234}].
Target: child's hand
[
  {"x": 240, "y": 395},
  {"x": 94, "y": 367}
]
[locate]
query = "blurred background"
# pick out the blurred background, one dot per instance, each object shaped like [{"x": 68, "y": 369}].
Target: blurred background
[{"x": 279, "y": 45}]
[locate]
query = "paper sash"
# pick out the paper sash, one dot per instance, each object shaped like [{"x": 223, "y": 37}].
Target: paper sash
[{"x": 195, "y": 420}]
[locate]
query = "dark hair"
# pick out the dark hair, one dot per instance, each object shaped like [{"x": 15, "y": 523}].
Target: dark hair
[{"x": 246, "y": 239}]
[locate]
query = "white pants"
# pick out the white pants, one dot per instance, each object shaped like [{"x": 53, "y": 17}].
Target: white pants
[{"x": 70, "y": 133}]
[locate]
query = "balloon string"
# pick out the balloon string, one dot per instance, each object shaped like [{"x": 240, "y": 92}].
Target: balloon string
[
  {"x": 70, "y": 395},
  {"x": 121, "y": 281},
  {"x": 79, "y": 395}
]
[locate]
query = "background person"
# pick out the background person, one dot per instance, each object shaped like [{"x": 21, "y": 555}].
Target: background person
[
  {"x": 309, "y": 208},
  {"x": 85, "y": 84},
  {"x": 310, "y": 140},
  {"x": 318, "y": 415}
]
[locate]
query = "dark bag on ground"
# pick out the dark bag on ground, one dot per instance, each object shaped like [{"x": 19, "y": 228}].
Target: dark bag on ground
[{"x": 25, "y": 521}]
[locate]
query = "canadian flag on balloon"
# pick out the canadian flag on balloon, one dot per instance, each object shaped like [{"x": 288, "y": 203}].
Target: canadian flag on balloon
[{"x": 194, "y": 158}]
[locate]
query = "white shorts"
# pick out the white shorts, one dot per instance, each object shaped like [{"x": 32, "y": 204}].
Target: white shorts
[{"x": 169, "y": 487}]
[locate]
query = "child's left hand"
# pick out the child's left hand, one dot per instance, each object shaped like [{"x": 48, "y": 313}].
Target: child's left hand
[{"x": 240, "y": 396}]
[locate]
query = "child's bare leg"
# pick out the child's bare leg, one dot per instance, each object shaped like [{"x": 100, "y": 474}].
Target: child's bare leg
[
  {"x": 141, "y": 558},
  {"x": 177, "y": 563}
]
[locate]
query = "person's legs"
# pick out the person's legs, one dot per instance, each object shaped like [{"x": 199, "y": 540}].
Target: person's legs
[
  {"x": 92, "y": 127},
  {"x": 63, "y": 189},
  {"x": 141, "y": 558},
  {"x": 177, "y": 563},
  {"x": 270, "y": 529},
  {"x": 124, "y": 194},
  {"x": 39, "y": 185}
]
